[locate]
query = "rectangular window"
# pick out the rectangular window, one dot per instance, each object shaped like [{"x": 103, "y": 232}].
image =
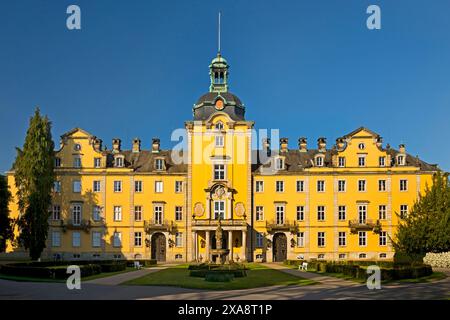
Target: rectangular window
[
  {"x": 259, "y": 213},
  {"x": 138, "y": 239},
  {"x": 56, "y": 239},
  {"x": 117, "y": 239},
  {"x": 77, "y": 186},
  {"x": 158, "y": 214},
  {"x": 361, "y": 185},
  {"x": 321, "y": 239},
  {"x": 279, "y": 186},
  {"x": 362, "y": 213},
  {"x": 401, "y": 160},
  {"x": 97, "y": 162},
  {"x": 342, "y": 210},
  {"x": 320, "y": 186},
  {"x": 300, "y": 186},
  {"x": 319, "y": 161},
  {"x": 76, "y": 239},
  {"x": 118, "y": 186},
  {"x": 96, "y": 186},
  {"x": 96, "y": 213},
  {"x": 381, "y": 161},
  {"x": 219, "y": 209},
  {"x": 159, "y": 186},
  {"x": 279, "y": 214},
  {"x": 381, "y": 185},
  {"x": 259, "y": 240},
  {"x": 56, "y": 212},
  {"x": 321, "y": 213},
  {"x": 300, "y": 213},
  {"x": 342, "y": 239},
  {"x": 219, "y": 172},
  {"x": 383, "y": 238},
  {"x": 118, "y": 161},
  {"x": 137, "y": 213},
  {"x": 403, "y": 211},
  {"x": 76, "y": 214},
  {"x": 403, "y": 185},
  {"x": 341, "y": 186},
  {"x": 362, "y": 235},
  {"x": 178, "y": 186},
  {"x": 219, "y": 141},
  {"x": 341, "y": 162},
  {"x": 159, "y": 164},
  {"x": 77, "y": 162},
  {"x": 259, "y": 186},
  {"x": 57, "y": 162},
  {"x": 279, "y": 164},
  {"x": 178, "y": 213},
  {"x": 362, "y": 161},
  {"x": 179, "y": 239},
  {"x": 96, "y": 239},
  {"x": 117, "y": 213},
  {"x": 138, "y": 186},
  {"x": 382, "y": 212},
  {"x": 57, "y": 186},
  {"x": 300, "y": 239}
]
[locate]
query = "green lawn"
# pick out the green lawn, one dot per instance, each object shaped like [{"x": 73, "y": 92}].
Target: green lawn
[{"x": 257, "y": 276}]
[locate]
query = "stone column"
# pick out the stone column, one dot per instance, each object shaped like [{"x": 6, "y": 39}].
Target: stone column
[
  {"x": 194, "y": 246},
  {"x": 207, "y": 258},
  {"x": 230, "y": 244},
  {"x": 244, "y": 246}
]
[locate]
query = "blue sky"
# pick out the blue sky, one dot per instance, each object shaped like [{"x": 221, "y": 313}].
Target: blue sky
[{"x": 309, "y": 68}]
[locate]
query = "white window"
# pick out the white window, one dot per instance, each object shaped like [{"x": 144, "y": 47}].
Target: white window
[
  {"x": 382, "y": 161},
  {"x": 320, "y": 186},
  {"x": 279, "y": 186},
  {"x": 56, "y": 212},
  {"x": 381, "y": 185},
  {"x": 178, "y": 213},
  {"x": 159, "y": 164},
  {"x": 219, "y": 209},
  {"x": 118, "y": 186},
  {"x": 219, "y": 172},
  {"x": 300, "y": 186},
  {"x": 77, "y": 186},
  {"x": 179, "y": 239},
  {"x": 137, "y": 213},
  {"x": 383, "y": 238},
  {"x": 159, "y": 186},
  {"x": 259, "y": 186},
  {"x": 96, "y": 239},
  {"x": 342, "y": 210},
  {"x": 57, "y": 162},
  {"x": 118, "y": 161},
  {"x": 362, "y": 256},
  {"x": 76, "y": 214},
  {"x": 320, "y": 213},
  {"x": 178, "y": 186},
  {"x": 138, "y": 239},
  {"x": 342, "y": 239},
  {"x": 382, "y": 212},
  {"x": 219, "y": 141},
  {"x": 138, "y": 186},
  {"x": 259, "y": 213},
  {"x": 362, "y": 235},
  {"x": 300, "y": 213},
  {"x": 77, "y": 162},
  {"x": 96, "y": 186},
  {"x": 279, "y": 214},
  {"x": 56, "y": 239},
  {"x": 361, "y": 185},
  {"x": 117, "y": 213},
  {"x": 76, "y": 239},
  {"x": 96, "y": 213},
  {"x": 319, "y": 161},
  {"x": 117, "y": 239},
  {"x": 300, "y": 239},
  {"x": 362, "y": 161},
  {"x": 279, "y": 164},
  {"x": 341, "y": 185},
  {"x": 401, "y": 160},
  {"x": 57, "y": 186},
  {"x": 341, "y": 162},
  {"x": 321, "y": 239},
  {"x": 403, "y": 210},
  {"x": 97, "y": 162},
  {"x": 383, "y": 256},
  {"x": 362, "y": 213},
  {"x": 403, "y": 185},
  {"x": 259, "y": 240},
  {"x": 158, "y": 214}
]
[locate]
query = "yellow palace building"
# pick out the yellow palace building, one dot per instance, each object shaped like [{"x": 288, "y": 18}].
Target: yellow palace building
[{"x": 338, "y": 202}]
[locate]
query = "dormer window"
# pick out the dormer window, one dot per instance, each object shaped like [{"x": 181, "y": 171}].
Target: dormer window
[
  {"x": 219, "y": 125},
  {"x": 362, "y": 161},
  {"x": 401, "y": 160},
  {"x": 319, "y": 161},
  {"x": 159, "y": 164},
  {"x": 279, "y": 164},
  {"x": 119, "y": 161},
  {"x": 57, "y": 162},
  {"x": 341, "y": 162},
  {"x": 382, "y": 161}
]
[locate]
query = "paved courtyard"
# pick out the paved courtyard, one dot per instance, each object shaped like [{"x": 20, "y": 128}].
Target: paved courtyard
[{"x": 328, "y": 288}]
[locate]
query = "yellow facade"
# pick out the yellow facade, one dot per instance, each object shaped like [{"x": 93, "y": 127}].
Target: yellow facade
[{"x": 272, "y": 204}]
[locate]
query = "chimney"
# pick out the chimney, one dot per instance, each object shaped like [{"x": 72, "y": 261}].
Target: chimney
[
  {"x": 340, "y": 144},
  {"x": 284, "y": 144},
  {"x": 402, "y": 148},
  {"x": 98, "y": 144},
  {"x": 379, "y": 142},
  {"x": 136, "y": 145},
  {"x": 116, "y": 145},
  {"x": 322, "y": 144},
  {"x": 155, "y": 145},
  {"x": 302, "y": 144},
  {"x": 266, "y": 145}
]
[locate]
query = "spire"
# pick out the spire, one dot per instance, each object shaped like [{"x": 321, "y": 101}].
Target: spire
[
  {"x": 218, "y": 46},
  {"x": 218, "y": 69}
]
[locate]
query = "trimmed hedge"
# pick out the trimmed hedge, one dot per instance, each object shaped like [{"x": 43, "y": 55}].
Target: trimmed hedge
[
  {"x": 203, "y": 273},
  {"x": 219, "y": 277},
  {"x": 113, "y": 267},
  {"x": 47, "y": 272}
]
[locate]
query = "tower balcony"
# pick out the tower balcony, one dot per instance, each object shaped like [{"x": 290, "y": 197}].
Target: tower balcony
[
  {"x": 164, "y": 225},
  {"x": 284, "y": 225},
  {"x": 364, "y": 225}
]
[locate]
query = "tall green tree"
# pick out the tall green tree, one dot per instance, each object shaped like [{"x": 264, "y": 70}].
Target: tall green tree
[
  {"x": 34, "y": 178},
  {"x": 427, "y": 226},
  {"x": 6, "y": 230}
]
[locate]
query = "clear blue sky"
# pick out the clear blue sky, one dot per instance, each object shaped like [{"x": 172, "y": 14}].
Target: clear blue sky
[{"x": 310, "y": 68}]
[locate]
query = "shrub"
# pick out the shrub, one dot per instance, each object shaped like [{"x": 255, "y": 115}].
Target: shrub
[
  {"x": 113, "y": 267},
  {"x": 438, "y": 260},
  {"x": 219, "y": 276},
  {"x": 46, "y": 272}
]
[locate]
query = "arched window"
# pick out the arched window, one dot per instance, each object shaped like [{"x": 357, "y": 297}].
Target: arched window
[{"x": 219, "y": 125}]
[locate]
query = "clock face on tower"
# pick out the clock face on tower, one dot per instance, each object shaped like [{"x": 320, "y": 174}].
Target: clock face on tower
[{"x": 219, "y": 104}]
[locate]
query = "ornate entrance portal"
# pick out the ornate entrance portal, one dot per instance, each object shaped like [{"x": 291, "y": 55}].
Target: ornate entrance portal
[
  {"x": 159, "y": 247},
  {"x": 279, "y": 247}
]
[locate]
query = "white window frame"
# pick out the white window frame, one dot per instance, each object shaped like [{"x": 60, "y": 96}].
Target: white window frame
[
  {"x": 76, "y": 214},
  {"x": 96, "y": 186},
  {"x": 300, "y": 213},
  {"x": 320, "y": 213},
  {"x": 321, "y": 239},
  {"x": 178, "y": 213},
  {"x": 137, "y": 239},
  {"x": 342, "y": 185},
  {"x": 382, "y": 161},
  {"x": 119, "y": 162},
  {"x": 320, "y": 185},
  {"x": 158, "y": 214},
  {"x": 362, "y": 213},
  {"x": 382, "y": 238},
  {"x": 319, "y": 161},
  {"x": 159, "y": 186},
  {"x": 279, "y": 183},
  {"x": 76, "y": 239},
  {"x": 280, "y": 214},
  {"x": 362, "y": 183},
  {"x": 138, "y": 213},
  {"x": 300, "y": 185},
  {"x": 300, "y": 239},
  {"x": 341, "y": 162},
  {"x": 138, "y": 186},
  {"x": 362, "y": 163},
  {"x": 403, "y": 185},
  {"x": 117, "y": 184},
  {"x": 117, "y": 213},
  {"x": 382, "y": 215},
  {"x": 362, "y": 238},
  {"x": 342, "y": 239},
  {"x": 382, "y": 185},
  {"x": 219, "y": 172},
  {"x": 97, "y": 162},
  {"x": 403, "y": 210},
  {"x": 56, "y": 212},
  {"x": 259, "y": 216},
  {"x": 259, "y": 186},
  {"x": 219, "y": 140},
  {"x": 178, "y": 239},
  {"x": 342, "y": 213},
  {"x": 279, "y": 163},
  {"x": 178, "y": 186},
  {"x": 219, "y": 209},
  {"x": 159, "y": 164},
  {"x": 57, "y": 186},
  {"x": 96, "y": 213}
]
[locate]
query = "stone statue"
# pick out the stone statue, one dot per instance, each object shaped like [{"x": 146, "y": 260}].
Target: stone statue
[{"x": 219, "y": 232}]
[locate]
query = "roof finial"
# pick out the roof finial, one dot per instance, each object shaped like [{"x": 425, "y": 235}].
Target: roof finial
[{"x": 220, "y": 14}]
